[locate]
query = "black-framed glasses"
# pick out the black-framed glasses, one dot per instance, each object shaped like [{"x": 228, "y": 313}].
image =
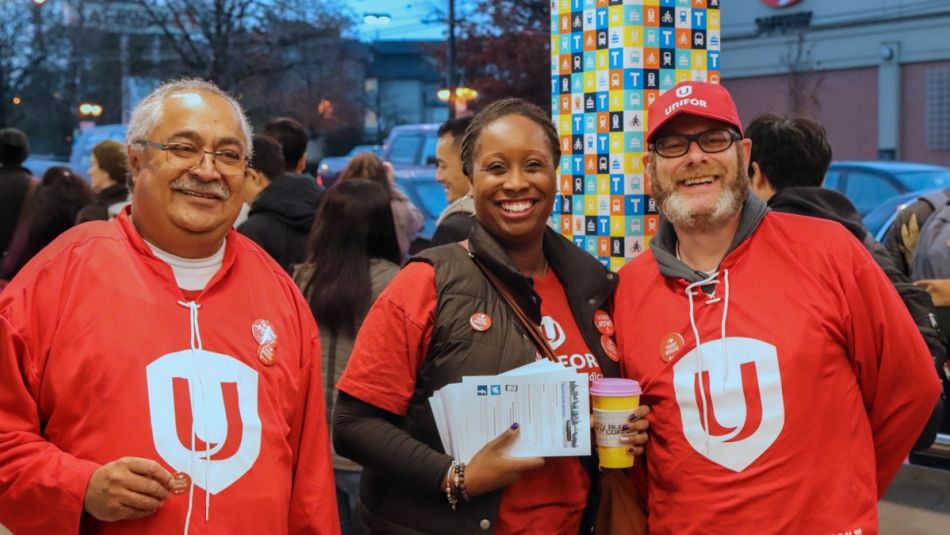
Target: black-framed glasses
[
  {"x": 184, "y": 156},
  {"x": 710, "y": 141}
]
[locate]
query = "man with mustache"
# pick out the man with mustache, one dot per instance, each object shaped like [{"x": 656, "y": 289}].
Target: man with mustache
[
  {"x": 159, "y": 369},
  {"x": 774, "y": 353}
]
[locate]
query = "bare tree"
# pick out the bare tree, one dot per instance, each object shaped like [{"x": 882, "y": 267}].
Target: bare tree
[{"x": 804, "y": 78}]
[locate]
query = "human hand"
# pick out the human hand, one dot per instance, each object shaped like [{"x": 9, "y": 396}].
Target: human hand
[
  {"x": 939, "y": 290},
  {"x": 390, "y": 173},
  {"x": 127, "y": 488},
  {"x": 491, "y": 468},
  {"x": 910, "y": 233},
  {"x": 634, "y": 432}
]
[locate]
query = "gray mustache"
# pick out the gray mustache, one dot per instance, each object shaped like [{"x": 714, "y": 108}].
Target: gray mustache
[{"x": 215, "y": 188}]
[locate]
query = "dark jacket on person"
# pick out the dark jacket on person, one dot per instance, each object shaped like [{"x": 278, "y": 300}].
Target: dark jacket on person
[
  {"x": 14, "y": 186},
  {"x": 401, "y": 505},
  {"x": 455, "y": 223},
  {"x": 829, "y": 204},
  {"x": 115, "y": 195},
  {"x": 280, "y": 219}
]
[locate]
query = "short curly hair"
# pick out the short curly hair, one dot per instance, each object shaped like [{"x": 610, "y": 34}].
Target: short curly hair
[{"x": 504, "y": 108}]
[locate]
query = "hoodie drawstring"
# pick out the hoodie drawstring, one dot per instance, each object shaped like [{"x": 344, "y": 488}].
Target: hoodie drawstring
[
  {"x": 711, "y": 279},
  {"x": 196, "y": 346}
]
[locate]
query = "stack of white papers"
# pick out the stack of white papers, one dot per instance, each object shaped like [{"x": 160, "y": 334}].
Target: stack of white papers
[{"x": 551, "y": 404}]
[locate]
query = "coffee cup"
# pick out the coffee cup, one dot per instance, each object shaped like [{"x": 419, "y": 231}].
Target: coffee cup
[{"x": 613, "y": 400}]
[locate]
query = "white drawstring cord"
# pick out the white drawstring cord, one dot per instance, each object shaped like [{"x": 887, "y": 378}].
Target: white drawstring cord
[
  {"x": 725, "y": 314},
  {"x": 197, "y": 346},
  {"x": 711, "y": 279}
]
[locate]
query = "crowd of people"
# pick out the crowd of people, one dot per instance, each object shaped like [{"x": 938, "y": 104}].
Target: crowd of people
[{"x": 171, "y": 365}]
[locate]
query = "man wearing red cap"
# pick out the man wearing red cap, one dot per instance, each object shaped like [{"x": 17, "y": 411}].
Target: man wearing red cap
[{"x": 772, "y": 349}]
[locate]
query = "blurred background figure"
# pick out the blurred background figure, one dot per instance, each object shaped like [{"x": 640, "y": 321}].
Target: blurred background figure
[
  {"x": 108, "y": 172},
  {"x": 352, "y": 256},
  {"x": 406, "y": 216},
  {"x": 789, "y": 159},
  {"x": 51, "y": 211},
  {"x": 16, "y": 182},
  {"x": 283, "y": 205},
  {"x": 457, "y": 219}
]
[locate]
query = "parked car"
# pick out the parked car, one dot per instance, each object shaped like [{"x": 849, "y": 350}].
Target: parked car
[
  {"x": 80, "y": 157},
  {"x": 331, "y": 166},
  {"x": 411, "y": 151},
  {"x": 879, "y": 220},
  {"x": 869, "y": 183}
]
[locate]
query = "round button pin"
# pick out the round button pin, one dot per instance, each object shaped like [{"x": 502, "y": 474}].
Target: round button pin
[
  {"x": 604, "y": 324},
  {"x": 263, "y": 331},
  {"x": 480, "y": 321},
  {"x": 610, "y": 347},
  {"x": 670, "y": 345},
  {"x": 267, "y": 353},
  {"x": 180, "y": 483}
]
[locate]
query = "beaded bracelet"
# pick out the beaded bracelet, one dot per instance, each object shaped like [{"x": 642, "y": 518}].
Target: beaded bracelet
[
  {"x": 460, "y": 482},
  {"x": 449, "y": 495}
]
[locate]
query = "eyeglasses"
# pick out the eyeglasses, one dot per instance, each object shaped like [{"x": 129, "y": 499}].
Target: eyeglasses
[
  {"x": 183, "y": 156},
  {"x": 710, "y": 141}
]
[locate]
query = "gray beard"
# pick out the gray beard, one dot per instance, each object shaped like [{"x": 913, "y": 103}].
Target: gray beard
[{"x": 677, "y": 211}]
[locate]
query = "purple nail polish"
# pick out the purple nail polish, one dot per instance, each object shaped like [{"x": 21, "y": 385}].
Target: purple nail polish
[{"x": 514, "y": 425}]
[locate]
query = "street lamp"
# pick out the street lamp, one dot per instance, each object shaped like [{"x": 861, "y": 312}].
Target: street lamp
[
  {"x": 458, "y": 100},
  {"x": 90, "y": 109},
  {"x": 377, "y": 20}
]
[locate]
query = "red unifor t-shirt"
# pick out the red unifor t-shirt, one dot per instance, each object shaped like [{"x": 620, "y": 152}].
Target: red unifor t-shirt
[{"x": 390, "y": 348}]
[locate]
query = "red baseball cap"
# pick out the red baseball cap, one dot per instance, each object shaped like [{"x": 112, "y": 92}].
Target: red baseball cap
[{"x": 694, "y": 98}]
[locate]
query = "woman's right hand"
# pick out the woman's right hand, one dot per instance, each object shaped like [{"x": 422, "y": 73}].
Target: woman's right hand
[{"x": 491, "y": 468}]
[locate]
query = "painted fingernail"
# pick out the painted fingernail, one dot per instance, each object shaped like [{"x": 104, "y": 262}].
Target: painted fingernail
[
  {"x": 625, "y": 427},
  {"x": 633, "y": 417},
  {"x": 514, "y": 425}
]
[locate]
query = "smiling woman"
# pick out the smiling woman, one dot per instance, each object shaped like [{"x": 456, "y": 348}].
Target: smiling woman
[{"x": 467, "y": 309}]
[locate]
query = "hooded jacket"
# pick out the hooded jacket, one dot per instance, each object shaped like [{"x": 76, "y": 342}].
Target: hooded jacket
[
  {"x": 780, "y": 385},
  {"x": 103, "y": 357},
  {"x": 831, "y": 205},
  {"x": 281, "y": 217}
]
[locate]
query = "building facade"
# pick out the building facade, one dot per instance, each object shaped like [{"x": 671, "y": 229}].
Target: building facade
[{"x": 876, "y": 73}]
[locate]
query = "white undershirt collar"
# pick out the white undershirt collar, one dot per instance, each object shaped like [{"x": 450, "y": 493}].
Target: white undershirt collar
[{"x": 191, "y": 273}]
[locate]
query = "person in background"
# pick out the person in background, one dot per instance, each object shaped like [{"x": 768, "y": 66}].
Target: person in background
[
  {"x": 790, "y": 156},
  {"x": 16, "y": 183},
  {"x": 283, "y": 207},
  {"x": 353, "y": 256},
  {"x": 787, "y": 380},
  {"x": 109, "y": 173},
  {"x": 51, "y": 211},
  {"x": 160, "y": 372},
  {"x": 456, "y": 221},
  {"x": 407, "y": 218},
  {"x": 442, "y": 318}
]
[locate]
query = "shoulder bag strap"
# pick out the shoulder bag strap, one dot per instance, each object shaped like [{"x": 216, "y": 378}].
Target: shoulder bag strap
[{"x": 533, "y": 330}]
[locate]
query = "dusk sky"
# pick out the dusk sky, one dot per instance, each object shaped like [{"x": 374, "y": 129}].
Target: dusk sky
[{"x": 408, "y": 18}]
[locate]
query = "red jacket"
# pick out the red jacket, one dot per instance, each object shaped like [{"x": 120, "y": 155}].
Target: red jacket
[
  {"x": 100, "y": 359},
  {"x": 796, "y": 424}
]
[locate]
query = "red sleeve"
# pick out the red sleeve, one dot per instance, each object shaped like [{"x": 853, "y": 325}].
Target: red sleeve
[
  {"x": 393, "y": 341},
  {"x": 313, "y": 508},
  {"x": 893, "y": 368},
  {"x": 42, "y": 488}
]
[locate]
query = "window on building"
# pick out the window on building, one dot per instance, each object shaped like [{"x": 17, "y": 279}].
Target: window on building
[{"x": 937, "y": 108}]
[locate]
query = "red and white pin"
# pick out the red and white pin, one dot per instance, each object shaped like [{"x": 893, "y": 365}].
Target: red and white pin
[
  {"x": 267, "y": 353},
  {"x": 604, "y": 324},
  {"x": 670, "y": 345},
  {"x": 180, "y": 483},
  {"x": 263, "y": 332},
  {"x": 610, "y": 347},
  {"x": 480, "y": 322}
]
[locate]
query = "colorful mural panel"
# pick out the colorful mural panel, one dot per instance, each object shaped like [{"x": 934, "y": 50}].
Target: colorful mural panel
[{"x": 609, "y": 60}]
